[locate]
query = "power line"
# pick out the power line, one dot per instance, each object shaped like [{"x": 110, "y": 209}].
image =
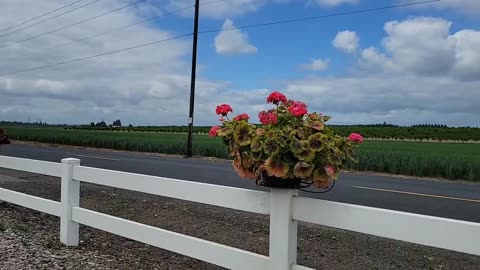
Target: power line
[
  {"x": 74, "y": 24},
  {"x": 40, "y": 16},
  {"x": 319, "y": 17},
  {"x": 122, "y": 27},
  {"x": 166, "y": 12},
  {"x": 48, "y": 19},
  {"x": 211, "y": 2},
  {"x": 125, "y": 26},
  {"x": 96, "y": 55}
]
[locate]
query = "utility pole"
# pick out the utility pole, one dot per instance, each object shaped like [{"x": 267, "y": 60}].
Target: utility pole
[{"x": 192, "y": 83}]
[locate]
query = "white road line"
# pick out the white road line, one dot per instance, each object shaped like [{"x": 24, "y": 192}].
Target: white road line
[
  {"x": 420, "y": 194},
  {"x": 85, "y": 156}
]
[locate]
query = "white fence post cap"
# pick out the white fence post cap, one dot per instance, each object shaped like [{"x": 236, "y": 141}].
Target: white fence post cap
[{"x": 70, "y": 160}]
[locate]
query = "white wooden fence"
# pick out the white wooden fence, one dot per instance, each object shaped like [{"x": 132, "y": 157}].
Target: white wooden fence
[{"x": 285, "y": 208}]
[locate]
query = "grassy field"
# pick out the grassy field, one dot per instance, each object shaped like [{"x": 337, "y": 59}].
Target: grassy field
[
  {"x": 447, "y": 160},
  {"x": 169, "y": 143},
  {"x": 451, "y": 161}
]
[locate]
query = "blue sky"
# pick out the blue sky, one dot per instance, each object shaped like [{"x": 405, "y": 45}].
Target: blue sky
[
  {"x": 406, "y": 66},
  {"x": 290, "y": 45}
]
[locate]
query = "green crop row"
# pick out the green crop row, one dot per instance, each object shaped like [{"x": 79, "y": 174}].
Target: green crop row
[
  {"x": 384, "y": 132},
  {"x": 415, "y": 164},
  {"x": 451, "y": 161}
]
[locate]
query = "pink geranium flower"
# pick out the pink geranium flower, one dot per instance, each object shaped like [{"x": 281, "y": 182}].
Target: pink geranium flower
[{"x": 355, "y": 137}]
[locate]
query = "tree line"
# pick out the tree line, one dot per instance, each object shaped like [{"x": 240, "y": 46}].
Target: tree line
[{"x": 382, "y": 131}]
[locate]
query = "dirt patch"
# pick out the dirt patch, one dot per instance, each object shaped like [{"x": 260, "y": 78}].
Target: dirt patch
[{"x": 29, "y": 239}]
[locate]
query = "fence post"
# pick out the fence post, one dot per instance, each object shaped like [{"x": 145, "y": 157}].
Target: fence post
[
  {"x": 283, "y": 230},
  {"x": 69, "y": 230}
]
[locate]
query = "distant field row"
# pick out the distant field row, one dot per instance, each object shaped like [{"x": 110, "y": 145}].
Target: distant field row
[
  {"x": 381, "y": 132},
  {"x": 451, "y": 161}
]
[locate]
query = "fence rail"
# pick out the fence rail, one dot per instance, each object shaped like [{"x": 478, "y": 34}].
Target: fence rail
[
  {"x": 29, "y": 165},
  {"x": 190, "y": 246},
  {"x": 32, "y": 202},
  {"x": 456, "y": 235},
  {"x": 285, "y": 208},
  {"x": 229, "y": 197}
]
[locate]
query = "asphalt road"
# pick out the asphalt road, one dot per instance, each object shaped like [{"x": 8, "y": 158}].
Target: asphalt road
[{"x": 457, "y": 200}]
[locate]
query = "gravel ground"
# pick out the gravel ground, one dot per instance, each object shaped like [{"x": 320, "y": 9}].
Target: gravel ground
[{"x": 29, "y": 239}]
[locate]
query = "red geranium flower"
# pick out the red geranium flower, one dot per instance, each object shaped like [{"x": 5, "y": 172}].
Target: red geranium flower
[
  {"x": 223, "y": 109},
  {"x": 355, "y": 137},
  {"x": 213, "y": 131},
  {"x": 267, "y": 118},
  {"x": 276, "y": 97},
  {"x": 298, "y": 109},
  {"x": 240, "y": 117},
  {"x": 299, "y": 103}
]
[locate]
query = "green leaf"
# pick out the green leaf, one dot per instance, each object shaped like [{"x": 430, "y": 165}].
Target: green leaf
[
  {"x": 303, "y": 170},
  {"x": 242, "y": 135},
  {"x": 321, "y": 179},
  {"x": 257, "y": 156},
  {"x": 276, "y": 167},
  {"x": 318, "y": 125},
  {"x": 247, "y": 162},
  {"x": 256, "y": 145},
  {"x": 271, "y": 147},
  {"x": 224, "y": 132},
  {"x": 352, "y": 155},
  {"x": 297, "y": 146},
  {"x": 300, "y": 133},
  {"x": 306, "y": 155},
  {"x": 337, "y": 156},
  {"x": 281, "y": 141},
  {"x": 315, "y": 142}
]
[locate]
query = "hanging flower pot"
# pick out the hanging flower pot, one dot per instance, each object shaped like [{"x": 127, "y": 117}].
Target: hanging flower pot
[
  {"x": 292, "y": 148},
  {"x": 278, "y": 182}
]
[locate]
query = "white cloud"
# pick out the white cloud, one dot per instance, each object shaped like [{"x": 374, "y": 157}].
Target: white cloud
[
  {"x": 470, "y": 7},
  {"x": 346, "y": 41},
  {"x": 467, "y": 57},
  {"x": 233, "y": 41},
  {"x": 317, "y": 65},
  {"x": 371, "y": 58},
  {"x": 420, "y": 45},
  {"x": 148, "y": 84},
  {"x": 333, "y": 3},
  {"x": 379, "y": 97},
  {"x": 419, "y": 73},
  {"x": 425, "y": 46}
]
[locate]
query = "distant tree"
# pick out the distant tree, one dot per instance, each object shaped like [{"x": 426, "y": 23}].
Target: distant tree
[
  {"x": 101, "y": 124},
  {"x": 92, "y": 124},
  {"x": 117, "y": 123}
]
